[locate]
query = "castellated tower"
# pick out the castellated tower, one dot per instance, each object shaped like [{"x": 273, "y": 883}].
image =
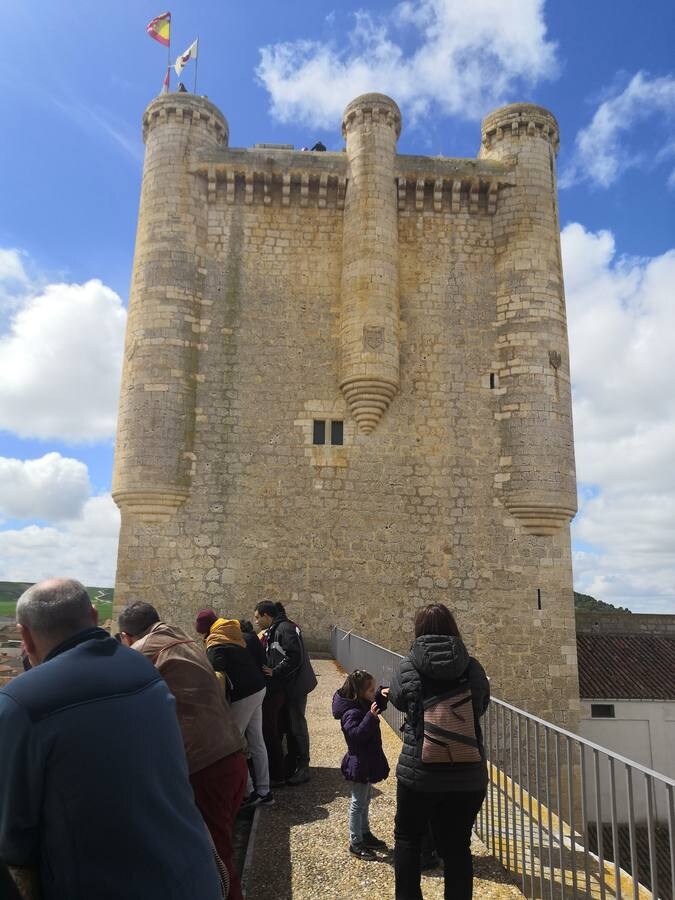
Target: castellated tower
[{"x": 346, "y": 387}]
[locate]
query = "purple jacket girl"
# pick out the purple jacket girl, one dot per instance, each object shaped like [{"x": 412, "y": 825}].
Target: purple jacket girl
[{"x": 364, "y": 764}]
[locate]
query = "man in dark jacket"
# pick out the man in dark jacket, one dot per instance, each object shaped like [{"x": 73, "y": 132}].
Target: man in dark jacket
[
  {"x": 82, "y": 780},
  {"x": 446, "y": 796},
  {"x": 290, "y": 675}
]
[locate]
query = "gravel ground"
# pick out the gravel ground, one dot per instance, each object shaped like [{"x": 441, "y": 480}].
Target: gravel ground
[{"x": 301, "y": 843}]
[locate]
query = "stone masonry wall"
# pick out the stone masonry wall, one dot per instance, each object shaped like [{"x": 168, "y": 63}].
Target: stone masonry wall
[{"x": 588, "y": 622}]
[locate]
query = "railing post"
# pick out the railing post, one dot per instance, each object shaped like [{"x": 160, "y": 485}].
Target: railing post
[
  {"x": 558, "y": 797},
  {"x": 600, "y": 838},
  {"x": 615, "y": 828},
  {"x": 653, "y": 862},
  {"x": 540, "y": 833},
  {"x": 635, "y": 872},
  {"x": 522, "y": 806},
  {"x": 570, "y": 801}
]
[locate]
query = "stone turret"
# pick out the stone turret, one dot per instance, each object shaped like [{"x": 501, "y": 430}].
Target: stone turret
[
  {"x": 157, "y": 406},
  {"x": 532, "y": 357},
  {"x": 369, "y": 323}
]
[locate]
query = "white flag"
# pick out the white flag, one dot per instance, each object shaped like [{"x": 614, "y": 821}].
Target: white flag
[{"x": 182, "y": 61}]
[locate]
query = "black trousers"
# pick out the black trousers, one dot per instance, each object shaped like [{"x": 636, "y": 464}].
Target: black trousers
[
  {"x": 271, "y": 715},
  {"x": 297, "y": 724},
  {"x": 451, "y": 816}
]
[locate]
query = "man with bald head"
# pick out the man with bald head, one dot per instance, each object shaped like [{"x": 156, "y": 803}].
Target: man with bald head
[{"x": 94, "y": 789}]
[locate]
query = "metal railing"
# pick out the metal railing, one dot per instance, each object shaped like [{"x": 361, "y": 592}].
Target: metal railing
[{"x": 566, "y": 817}]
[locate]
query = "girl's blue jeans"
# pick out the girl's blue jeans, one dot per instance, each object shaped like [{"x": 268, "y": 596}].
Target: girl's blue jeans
[{"x": 358, "y": 811}]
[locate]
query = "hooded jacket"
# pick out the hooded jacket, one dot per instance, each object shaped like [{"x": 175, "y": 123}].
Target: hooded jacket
[
  {"x": 93, "y": 770},
  {"x": 435, "y": 662},
  {"x": 206, "y": 723},
  {"x": 231, "y": 658},
  {"x": 288, "y": 659},
  {"x": 365, "y": 760}
]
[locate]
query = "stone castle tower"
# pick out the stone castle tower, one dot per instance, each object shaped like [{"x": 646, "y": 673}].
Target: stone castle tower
[{"x": 346, "y": 386}]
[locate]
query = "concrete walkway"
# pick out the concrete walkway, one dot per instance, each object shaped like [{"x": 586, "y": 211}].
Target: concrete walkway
[{"x": 300, "y": 849}]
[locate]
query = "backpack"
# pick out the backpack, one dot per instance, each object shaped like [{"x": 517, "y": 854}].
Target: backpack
[{"x": 449, "y": 727}]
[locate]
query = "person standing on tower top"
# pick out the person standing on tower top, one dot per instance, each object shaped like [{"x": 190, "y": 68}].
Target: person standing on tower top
[
  {"x": 228, "y": 652},
  {"x": 442, "y": 770},
  {"x": 291, "y": 679}
]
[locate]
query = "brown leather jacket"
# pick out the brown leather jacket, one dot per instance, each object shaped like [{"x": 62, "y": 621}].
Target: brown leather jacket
[{"x": 209, "y": 731}]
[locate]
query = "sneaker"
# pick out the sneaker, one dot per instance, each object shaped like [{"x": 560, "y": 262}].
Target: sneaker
[
  {"x": 252, "y": 800},
  {"x": 373, "y": 843},
  {"x": 362, "y": 852},
  {"x": 300, "y": 777},
  {"x": 266, "y": 799}
]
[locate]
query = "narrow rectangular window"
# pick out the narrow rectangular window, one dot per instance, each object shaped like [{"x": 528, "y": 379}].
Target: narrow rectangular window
[
  {"x": 492, "y": 379},
  {"x": 336, "y": 433},
  {"x": 602, "y": 711},
  {"x": 319, "y": 431}
]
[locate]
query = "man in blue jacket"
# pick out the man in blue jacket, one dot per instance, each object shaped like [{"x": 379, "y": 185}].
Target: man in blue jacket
[{"x": 94, "y": 789}]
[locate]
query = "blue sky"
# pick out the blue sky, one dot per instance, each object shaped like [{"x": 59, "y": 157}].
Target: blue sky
[{"x": 74, "y": 84}]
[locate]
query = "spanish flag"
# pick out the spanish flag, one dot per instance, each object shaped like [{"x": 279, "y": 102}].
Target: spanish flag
[{"x": 160, "y": 28}]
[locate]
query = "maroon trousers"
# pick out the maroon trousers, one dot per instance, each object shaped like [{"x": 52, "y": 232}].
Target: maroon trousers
[{"x": 219, "y": 790}]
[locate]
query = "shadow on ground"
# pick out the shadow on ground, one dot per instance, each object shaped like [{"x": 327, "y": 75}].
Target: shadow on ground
[{"x": 269, "y": 877}]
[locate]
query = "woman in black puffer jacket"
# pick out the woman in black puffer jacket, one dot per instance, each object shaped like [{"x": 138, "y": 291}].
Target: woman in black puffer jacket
[{"x": 446, "y": 796}]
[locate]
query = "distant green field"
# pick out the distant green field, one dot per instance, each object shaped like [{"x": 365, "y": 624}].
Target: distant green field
[{"x": 10, "y": 591}]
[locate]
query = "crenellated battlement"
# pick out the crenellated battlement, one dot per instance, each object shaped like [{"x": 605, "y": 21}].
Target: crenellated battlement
[
  {"x": 186, "y": 109},
  {"x": 372, "y": 108},
  {"x": 520, "y": 120},
  {"x": 289, "y": 178},
  {"x": 447, "y": 185}
]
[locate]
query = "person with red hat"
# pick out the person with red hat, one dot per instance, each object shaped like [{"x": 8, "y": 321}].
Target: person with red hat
[{"x": 243, "y": 679}]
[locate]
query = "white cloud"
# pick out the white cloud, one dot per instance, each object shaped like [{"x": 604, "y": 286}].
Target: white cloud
[
  {"x": 14, "y": 280},
  {"x": 603, "y": 150},
  {"x": 52, "y": 488},
  {"x": 464, "y": 59},
  {"x": 85, "y": 548},
  {"x": 12, "y": 269},
  {"x": 60, "y": 362},
  {"x": 621, "y": 321}
]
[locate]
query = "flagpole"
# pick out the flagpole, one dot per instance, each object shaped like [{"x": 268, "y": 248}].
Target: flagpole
[
  {"x": 168, "y": 61},
  {"x": 194, "y": 89}
]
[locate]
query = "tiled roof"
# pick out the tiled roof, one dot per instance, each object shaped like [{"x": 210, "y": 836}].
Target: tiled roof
[{"x": 626, "y": 666}]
